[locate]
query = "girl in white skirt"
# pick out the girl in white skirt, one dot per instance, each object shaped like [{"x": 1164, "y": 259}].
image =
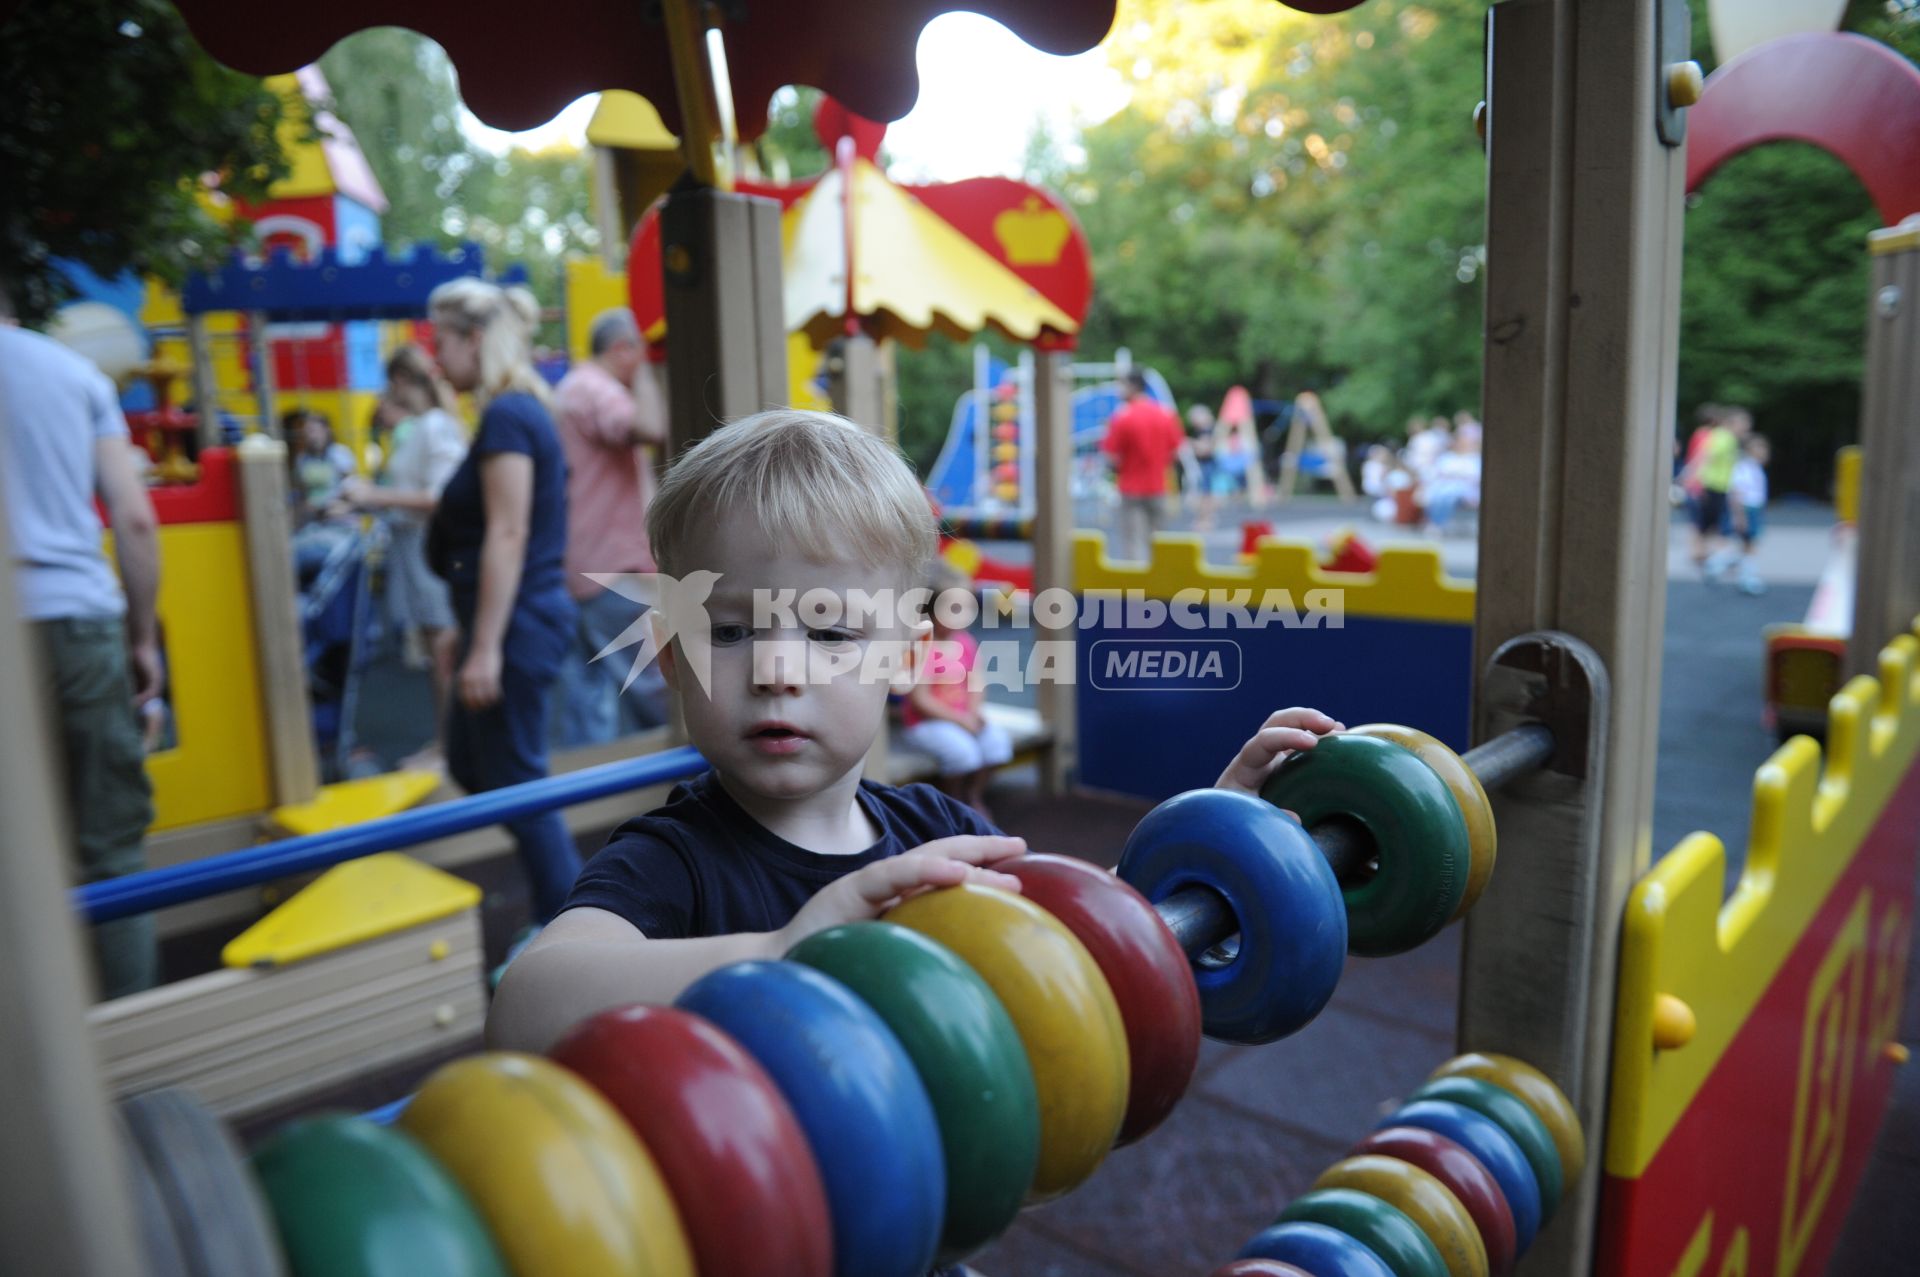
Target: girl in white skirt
[
  {"x": 426, "y": 447},
  {"x": 943, "y": 714}
]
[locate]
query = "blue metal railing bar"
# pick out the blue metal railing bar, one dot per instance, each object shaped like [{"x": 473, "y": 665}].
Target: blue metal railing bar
[{"x": 158, "y": 888}]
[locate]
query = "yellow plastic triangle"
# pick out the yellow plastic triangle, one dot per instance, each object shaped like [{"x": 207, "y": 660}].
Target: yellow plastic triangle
[
  {"x": 354, "y": 802},
  {"x": 348, "y": 904}
]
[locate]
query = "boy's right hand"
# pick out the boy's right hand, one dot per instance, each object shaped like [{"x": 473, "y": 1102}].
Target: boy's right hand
[{"x": 867, "y": 893}]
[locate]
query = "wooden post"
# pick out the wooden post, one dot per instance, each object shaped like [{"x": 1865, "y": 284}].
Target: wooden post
[
  {"x": 65, "y": 1209},
  {"x": 855, "y": 378},
  {"x": 1583, "y": 275},
  {"x": 263, "y": 388},
  {"x": 888, "y": 371},
  {"x": 206, "y": 386},
  {"x": 1053, "y": 521},
  {"x": 609, "y": 213},
  {"x": 726, "y": 341},
  {"x": 1886, "y": 595},
  {"x": 276, "y": 620}
]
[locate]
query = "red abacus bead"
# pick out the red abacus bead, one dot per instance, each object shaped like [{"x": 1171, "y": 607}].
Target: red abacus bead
[
  {"x": 1258, "y": 1268},
  {"x": 727, "y": 1143},
  {"x": 1143, "y": 964},
  {"x": 1464, "y": 1176}
]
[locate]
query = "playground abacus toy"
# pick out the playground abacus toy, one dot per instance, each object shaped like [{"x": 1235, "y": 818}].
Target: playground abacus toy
[
  {"x": 1456, "y": 1182},
  {"x": 1572, "y": 955},
  {"x": 893, "y": 1093}
]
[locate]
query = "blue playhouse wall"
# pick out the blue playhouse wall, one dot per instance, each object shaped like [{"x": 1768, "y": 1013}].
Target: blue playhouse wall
[{"x": 1403, "y": 653}]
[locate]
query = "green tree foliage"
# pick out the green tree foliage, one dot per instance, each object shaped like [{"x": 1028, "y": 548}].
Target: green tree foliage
[
  {"x": 1774, "y": 302},
  {"x": 1292, "y": 202},
  {"x": 398, "y": 92},
  {"x": 109, "y": 116},
  {"x": 790, "y": 151}
]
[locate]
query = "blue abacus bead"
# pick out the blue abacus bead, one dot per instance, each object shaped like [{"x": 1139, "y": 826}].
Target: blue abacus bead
[
  {"x": 857, "y": 1097},
  {"x": 1322, "y": 1251},
  {"x": 1290, "y": 914},
  {"x": 1493, "y": 1147}
]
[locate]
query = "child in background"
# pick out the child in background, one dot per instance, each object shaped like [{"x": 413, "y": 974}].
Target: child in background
[
  {"x": 944, "y": 711},
  {"x": 320, "y": 463},
  {"x": 1748, "y": 501}
]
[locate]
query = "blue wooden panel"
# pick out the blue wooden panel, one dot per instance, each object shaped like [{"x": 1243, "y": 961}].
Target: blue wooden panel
[
  {"x": 364, "y": 368},
  {"x": 1172, "y": 733}
]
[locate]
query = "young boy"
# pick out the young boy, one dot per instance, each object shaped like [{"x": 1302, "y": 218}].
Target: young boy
[
  {"x": 1747, "y": 500},
  {"x": 782, "y": 838}
]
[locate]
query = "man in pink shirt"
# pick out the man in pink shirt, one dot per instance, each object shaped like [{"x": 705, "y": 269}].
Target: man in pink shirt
[
  {"x": 612, "y": 418},
  {"x": 1142, "y": 440}
]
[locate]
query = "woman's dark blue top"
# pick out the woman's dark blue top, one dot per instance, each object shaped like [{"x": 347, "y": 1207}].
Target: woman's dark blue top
[{"x": 515, "y": 422}]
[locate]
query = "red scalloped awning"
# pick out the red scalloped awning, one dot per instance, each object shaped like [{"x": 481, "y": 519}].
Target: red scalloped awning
[{"x": 519, "y": 65}]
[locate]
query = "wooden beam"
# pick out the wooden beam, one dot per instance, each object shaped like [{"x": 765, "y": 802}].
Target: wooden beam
[
  {"x": 65, "y": 1208},
  {"x": 855, "y": 380},
  {"x": 1583, "y": 274},
  {"x": 726, "y": 345},
  {"x": 259, "y": 333},
  {"x": 1886, "y": 595},
  {"x": 276, "y": 620},
  {"x": 1053, "y": 545},
  {"x": 609, "y": 210},
  {"x": 206, "y": 386}
]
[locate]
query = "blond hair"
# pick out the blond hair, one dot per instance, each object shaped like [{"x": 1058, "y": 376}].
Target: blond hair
[
  {"x": 504, "y": 319},
  {"x": 811, "y": 480}
]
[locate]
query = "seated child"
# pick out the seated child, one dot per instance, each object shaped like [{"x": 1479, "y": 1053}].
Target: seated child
[
  {"x": 782, "y": 838},
  {"x": 943, "y": 713}
]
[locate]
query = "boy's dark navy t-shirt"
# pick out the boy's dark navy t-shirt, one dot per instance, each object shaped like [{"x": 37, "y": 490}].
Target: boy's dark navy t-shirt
[{"x": 701, "y": 866}]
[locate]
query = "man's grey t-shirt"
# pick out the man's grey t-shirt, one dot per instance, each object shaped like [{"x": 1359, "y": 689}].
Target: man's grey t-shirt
[{"x": 54, "y": 405}]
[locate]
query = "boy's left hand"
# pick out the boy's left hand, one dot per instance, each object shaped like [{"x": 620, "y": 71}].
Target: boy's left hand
[{"x": 1283, "y": 733}]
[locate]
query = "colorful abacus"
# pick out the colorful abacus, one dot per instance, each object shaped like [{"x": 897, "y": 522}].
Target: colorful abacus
[
  {"x": 889, "y": 1096},
  {"x": 1456, "y": 1183}
]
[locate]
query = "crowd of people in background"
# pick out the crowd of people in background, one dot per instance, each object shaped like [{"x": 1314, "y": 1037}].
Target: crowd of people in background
[
  {"x": 1721, "y": 478},
  {"x": 1432, "y": 480}
]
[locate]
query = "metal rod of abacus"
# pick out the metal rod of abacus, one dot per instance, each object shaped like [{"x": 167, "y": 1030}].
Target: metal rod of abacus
[
  {"x": 1510, "y": 754},
  {"x": 1200, "y": 917}
]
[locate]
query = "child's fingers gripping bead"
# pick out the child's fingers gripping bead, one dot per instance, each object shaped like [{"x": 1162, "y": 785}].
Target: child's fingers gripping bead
[
  {"x": 973, "y": 849},
  {"x": 1303, "y": 717}
]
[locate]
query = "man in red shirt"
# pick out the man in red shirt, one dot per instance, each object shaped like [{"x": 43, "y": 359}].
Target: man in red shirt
[
  {"x": 611, "y": 417},
  {"x": 1142, "y": 439}
]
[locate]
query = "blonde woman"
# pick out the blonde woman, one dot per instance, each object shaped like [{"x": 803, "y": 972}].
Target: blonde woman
[{"x": 499, "y": 538}]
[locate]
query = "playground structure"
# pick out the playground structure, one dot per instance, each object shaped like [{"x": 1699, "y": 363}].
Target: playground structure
[
  {"x": 1870, "y": 130},
  {"x": 228, "y": 352},
  {"x": 867, "y": 262},
  {"x": 1779, "y": 998},
  {"x": 1806, "y": 663},
  {"x": 985, "y": 468}
]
